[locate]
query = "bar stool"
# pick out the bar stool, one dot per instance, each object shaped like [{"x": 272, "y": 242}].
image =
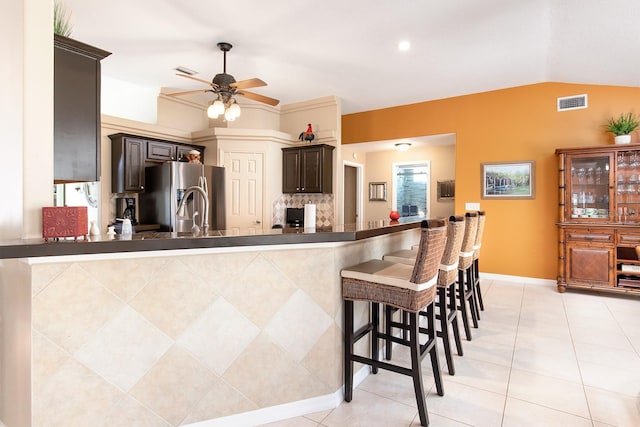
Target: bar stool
[
  {"x": 476, "y": 255},
  {"x": 466, "y": 288},
  {"x": 447, "y": 312},
  {"x": 409, "y": 288}
]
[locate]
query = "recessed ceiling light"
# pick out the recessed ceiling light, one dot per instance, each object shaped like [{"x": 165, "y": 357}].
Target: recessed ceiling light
[
  {"x": 404, "y": 45},
  {"x": 185, "y": 70}
]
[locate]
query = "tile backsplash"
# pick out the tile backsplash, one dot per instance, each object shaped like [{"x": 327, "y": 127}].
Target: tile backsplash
[{"x": 323, "y": 202}]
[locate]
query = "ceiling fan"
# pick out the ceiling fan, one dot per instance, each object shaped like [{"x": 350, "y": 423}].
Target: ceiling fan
[{"x": 226, "y": 87}]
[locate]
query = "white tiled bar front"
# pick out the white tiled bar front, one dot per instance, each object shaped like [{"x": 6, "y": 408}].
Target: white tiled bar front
[{"x": 168, "y": 338}]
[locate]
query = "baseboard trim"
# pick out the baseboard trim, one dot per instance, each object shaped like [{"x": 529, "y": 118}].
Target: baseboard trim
[
  {"x": 519, "y": 279},
  {"x": 285, "y": 411}
]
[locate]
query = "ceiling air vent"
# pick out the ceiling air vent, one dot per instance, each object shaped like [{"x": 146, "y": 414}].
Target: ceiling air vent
[
  {"x": 186, "y": 70},
  {"x": 575, "y": 102}
]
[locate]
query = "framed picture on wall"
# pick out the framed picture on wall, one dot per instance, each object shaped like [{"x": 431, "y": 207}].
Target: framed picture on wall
[
  {"x": 378, "y": 191},
  {"x": 508, "y": 180}
]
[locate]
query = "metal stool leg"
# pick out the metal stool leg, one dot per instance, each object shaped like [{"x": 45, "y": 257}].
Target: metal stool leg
[
  {"x": 469, "y": 294},
  {"x": 476, "y": 268},
  {"x": 416, "y": 370},
  {"x": 443, "y": 317},
  {"x": 463, "y": 305},
  {"x": 432, "y": 347},
  {"x": 348, "y": 350},
  {"x": 453, "y": 317},
  {"x": 388, "y": 310},
  {"x": 375, "y": 320}
]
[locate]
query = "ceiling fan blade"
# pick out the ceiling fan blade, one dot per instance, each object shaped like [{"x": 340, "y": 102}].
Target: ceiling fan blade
[
  {"x": 259, "y": 98},
  {"x": 247, "y": 84},
  {"x": 188, "y": 92},
  {"x": 195, "y": 78}
]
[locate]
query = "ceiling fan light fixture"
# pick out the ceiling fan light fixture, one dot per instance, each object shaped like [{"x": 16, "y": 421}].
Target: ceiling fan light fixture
[
  {"x": 228, "y": 115},
  {"x": 225, "y": 87},
  {"x": 235, "y": 109},
  {"x": 211, "y": 112},
  {"x": 218, "y": 107}
]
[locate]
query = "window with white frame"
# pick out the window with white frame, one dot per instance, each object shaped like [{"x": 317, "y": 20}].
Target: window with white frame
[{"x": 411, "y": 188}]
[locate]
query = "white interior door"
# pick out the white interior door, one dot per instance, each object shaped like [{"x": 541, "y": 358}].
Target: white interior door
[{"x": 243, "y": 190}]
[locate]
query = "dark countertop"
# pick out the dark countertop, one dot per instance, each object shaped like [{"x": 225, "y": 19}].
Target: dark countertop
[{"x": 154, "y": 241}]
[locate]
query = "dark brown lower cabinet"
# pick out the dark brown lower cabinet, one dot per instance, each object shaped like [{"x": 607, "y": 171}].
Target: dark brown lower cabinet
[
  {"x": 597, "y": 257},
  {"x": 590, "y": 265}
]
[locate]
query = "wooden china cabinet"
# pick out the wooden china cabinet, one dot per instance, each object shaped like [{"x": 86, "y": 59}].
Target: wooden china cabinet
[{"x": 599, "y": 211}]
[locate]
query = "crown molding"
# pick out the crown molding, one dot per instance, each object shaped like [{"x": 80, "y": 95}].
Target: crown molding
[
  {"x": 246, "y": 135},
  {"x": 327, "y": 101},
  {"x": 118, "y": 124}
]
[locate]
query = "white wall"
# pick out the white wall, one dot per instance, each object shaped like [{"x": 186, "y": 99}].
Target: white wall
[
  {"x": 253, "y": 116},
  {"x": 11, "y": 106},
  {"x": 27, "y": 115},
  {"x": 38, "y": 114},
  {"x": 124, "y": 99},
  {"x": 322, "y": 113}
]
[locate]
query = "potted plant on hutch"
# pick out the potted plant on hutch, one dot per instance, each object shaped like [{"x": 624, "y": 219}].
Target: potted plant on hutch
[
  {"x": 622, "y": 127},
  {"x": 61, "y": 19}
]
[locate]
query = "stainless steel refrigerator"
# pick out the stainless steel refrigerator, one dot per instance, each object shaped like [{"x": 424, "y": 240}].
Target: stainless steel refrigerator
[{"x": 165, "y": 186}]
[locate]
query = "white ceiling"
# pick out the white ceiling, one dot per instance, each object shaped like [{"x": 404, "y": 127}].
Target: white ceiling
[{"x": 307, "y": 49}]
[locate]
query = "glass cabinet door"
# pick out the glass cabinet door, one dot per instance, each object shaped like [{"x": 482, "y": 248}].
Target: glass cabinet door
[
  {"x": 627, "y": 186},
  {"x": 590, "y": 187}
]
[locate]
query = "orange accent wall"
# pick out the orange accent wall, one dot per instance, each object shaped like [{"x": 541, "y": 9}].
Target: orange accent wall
[{"x": 512, "y": 124}]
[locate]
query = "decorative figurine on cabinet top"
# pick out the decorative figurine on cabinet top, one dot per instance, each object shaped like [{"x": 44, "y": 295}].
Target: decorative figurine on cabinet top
[
  {"x": 193, "y": 156},
  {"x": 307, "y": 135}
]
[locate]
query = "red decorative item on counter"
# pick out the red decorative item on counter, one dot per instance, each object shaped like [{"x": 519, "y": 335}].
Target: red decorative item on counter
[
  {"x": 65, "y": 221},
  {"x": 394, "y": 215}
]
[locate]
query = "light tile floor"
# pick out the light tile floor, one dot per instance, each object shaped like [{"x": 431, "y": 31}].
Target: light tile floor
[{"x": 539, "y": 358}]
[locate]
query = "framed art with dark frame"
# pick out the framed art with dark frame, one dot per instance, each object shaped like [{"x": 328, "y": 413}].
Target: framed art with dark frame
[{"x": 508, "y": 180}]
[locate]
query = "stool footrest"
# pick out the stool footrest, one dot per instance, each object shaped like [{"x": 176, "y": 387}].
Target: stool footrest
[
  {"x": 363, "y": 331},
  {"x": 382, "y": 365}
]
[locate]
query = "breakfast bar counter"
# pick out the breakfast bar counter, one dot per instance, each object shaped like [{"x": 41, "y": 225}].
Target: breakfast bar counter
[
  {"x": 166, "y": 330},
  {"x": 152, "y": 241}
]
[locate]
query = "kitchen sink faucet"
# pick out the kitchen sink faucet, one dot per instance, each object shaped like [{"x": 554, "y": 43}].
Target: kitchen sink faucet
[{"x": 201, "y": 189}]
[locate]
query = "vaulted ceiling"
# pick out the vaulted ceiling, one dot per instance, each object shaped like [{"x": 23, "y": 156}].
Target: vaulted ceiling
[{"x": 306, "y": 49}]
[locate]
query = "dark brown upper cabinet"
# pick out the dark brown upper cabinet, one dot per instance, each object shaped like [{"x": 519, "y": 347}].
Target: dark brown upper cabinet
[
  {"x": 127, "y": 163},
  {"x": 130, "y": 154},
  {"x": 76, "y": 116},
  {"x": 307, "y": 169},
  {"x": 161, "y": 151}
]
